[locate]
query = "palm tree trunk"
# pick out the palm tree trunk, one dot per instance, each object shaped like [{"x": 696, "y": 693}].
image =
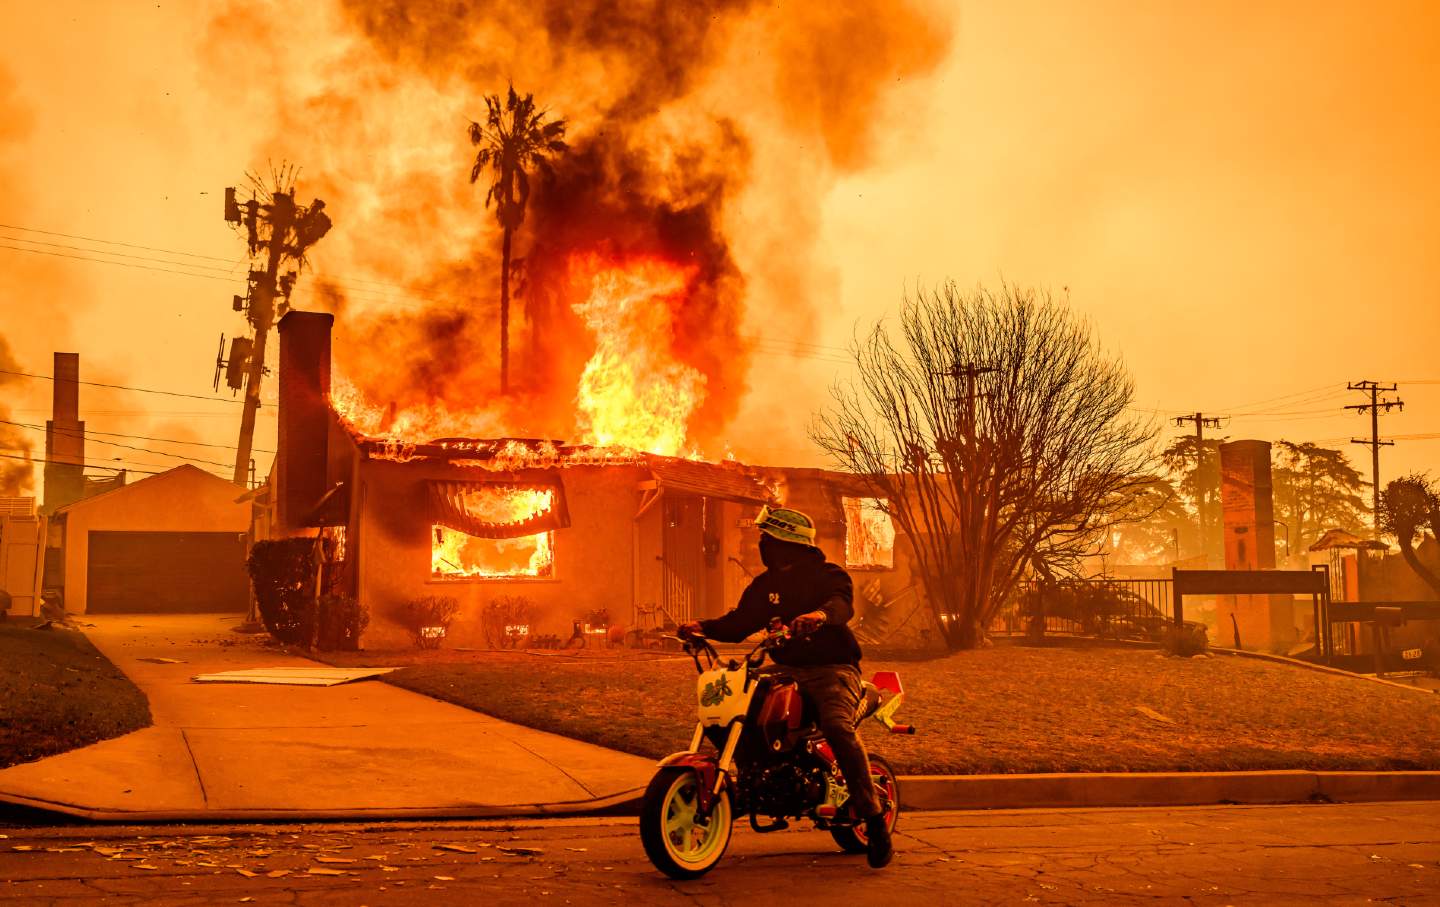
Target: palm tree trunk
[{"x": 505, "y": 314}]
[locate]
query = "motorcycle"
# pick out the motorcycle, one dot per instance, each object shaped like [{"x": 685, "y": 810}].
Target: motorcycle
[{"x": 767, "y": 759}]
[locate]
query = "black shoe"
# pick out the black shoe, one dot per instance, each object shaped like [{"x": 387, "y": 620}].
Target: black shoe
[{"x": 877, "y": 837}]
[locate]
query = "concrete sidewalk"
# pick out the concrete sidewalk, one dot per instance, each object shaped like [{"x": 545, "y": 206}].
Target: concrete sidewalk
[{"x": 365, "y": 749}]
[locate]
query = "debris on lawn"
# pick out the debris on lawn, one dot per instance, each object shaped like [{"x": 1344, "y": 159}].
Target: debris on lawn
[
  {"x": 458, "y": 848},
  {"x": 1151, "y": 713},
  {"x": 160, "y": 660},
  {"x": 293, "y": 676}
]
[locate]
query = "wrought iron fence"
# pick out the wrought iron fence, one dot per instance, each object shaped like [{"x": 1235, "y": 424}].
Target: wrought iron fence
[{"x": 1121, "y": 608}]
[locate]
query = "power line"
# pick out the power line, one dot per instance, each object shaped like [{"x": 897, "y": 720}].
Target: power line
[
  {"x": 124, "y": 387},
  {"x": 123, "y": 264},
  {"x": 116, "y": 434},
  {"x": 270, "y": 410},
  {"x": 110, "y": 242},
  {"x": 799, "y": 349},
  {"x": 156, "y": 472},
  {"x": 85, "y": 435},
  {"x": 1327, "y": 389}
]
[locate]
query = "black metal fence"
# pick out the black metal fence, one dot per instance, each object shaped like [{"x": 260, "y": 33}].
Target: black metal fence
[{"x": 1120, "y": 608}]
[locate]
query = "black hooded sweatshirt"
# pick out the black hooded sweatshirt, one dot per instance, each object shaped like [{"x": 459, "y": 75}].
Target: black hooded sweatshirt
[{"x": 802, "y": 583}]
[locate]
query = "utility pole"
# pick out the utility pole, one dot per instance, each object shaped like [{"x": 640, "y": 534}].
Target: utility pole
[
  {"x": 284, "y": 231},
  {"x": 1373, "y": 407},
  {"x": 1201, "y": 421},
  {"x": 969, "y": 372}
]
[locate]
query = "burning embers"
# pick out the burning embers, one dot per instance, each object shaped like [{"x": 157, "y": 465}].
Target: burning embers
[
  {"x": 456, "y": 554},
  {"x": 634, "y": 392}
]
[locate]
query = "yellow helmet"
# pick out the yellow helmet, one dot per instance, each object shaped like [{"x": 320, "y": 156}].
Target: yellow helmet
[{"x": 786, "y": 525}]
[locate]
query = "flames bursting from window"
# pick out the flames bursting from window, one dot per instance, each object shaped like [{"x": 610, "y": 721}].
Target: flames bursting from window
[
  {"x": 458, "y": 555},
  {"x": 869, "y": 533}
]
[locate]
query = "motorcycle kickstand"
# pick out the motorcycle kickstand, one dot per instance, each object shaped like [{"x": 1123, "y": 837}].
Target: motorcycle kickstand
[{"x": 779, "y": 825}]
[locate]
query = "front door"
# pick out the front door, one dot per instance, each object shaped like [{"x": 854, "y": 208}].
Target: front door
[{"x": 683, "y": 556}]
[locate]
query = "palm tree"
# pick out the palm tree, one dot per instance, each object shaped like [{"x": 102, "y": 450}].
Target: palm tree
[{"x": 514, "y": 139}]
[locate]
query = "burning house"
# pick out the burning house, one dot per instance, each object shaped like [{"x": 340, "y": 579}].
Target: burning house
[{"x": 571, "y": 528}]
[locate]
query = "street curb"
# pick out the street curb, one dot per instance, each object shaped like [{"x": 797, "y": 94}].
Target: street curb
[
  {"x": 918, "y": 792},
  {"x": 624, "y": 803},
  {"x": 932, "y": 792},
  {"x": 1325, "y": 669}
]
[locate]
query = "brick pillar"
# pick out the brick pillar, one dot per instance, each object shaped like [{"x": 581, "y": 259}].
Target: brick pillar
[{"x": 1266, "y": 622}]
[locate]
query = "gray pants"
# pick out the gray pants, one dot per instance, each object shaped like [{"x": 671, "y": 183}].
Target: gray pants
[{"x": 834, "y": 691}]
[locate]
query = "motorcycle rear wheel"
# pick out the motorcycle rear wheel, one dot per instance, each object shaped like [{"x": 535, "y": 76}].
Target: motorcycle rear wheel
[
  {"x": 674, "y": 842},
  {"x": 851, "y": 838}
]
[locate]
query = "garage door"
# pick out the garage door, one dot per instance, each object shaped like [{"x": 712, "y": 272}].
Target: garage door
[{"x": 166, "y": 572}]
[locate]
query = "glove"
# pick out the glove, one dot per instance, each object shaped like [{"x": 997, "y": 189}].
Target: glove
[{"x": 688, "y": 629}]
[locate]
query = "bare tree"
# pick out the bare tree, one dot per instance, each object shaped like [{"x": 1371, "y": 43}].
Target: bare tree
[
  {"x": 1406, "y": 506},
  {"x": 994, "y": 428}
]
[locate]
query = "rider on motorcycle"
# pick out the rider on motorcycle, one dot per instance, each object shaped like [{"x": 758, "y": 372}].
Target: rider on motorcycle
[{"x": 814, "y": 596}]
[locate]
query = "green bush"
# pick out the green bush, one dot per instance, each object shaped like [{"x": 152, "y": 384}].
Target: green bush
[
  {"x": 420, "y": 615},
  {"x": 282, "y": 572}
]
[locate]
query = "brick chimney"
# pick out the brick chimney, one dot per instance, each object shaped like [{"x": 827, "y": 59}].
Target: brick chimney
[
  {"x": 300, "y": 474},
  {"x": 65, "y": 437},
  {"x": 1249, "y": 510}
]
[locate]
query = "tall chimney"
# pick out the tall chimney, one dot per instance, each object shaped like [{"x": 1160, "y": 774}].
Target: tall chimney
[
  {"x": 304, "y": 415},
  {"x": 65, "y": 437},
  {"x": 1249, "y": 510}
]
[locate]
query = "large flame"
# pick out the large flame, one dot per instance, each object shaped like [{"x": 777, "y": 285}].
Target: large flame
[
  {"x": 455, "y": 555},
  {"x": 634, "y": 392}
]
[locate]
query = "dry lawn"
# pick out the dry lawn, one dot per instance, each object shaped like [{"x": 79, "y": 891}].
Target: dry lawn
[
  {"x": 57, "y": 692},
  {"x": 1005, "y": 709}
]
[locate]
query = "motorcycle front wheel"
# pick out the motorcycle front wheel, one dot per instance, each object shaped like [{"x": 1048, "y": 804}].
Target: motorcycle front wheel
[
  {"x": 679, "y": 846},
  {"x": 852, "y": 838}
]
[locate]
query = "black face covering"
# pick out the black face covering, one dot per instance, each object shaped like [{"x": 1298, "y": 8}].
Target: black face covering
[{"x": 778, "y": 554}]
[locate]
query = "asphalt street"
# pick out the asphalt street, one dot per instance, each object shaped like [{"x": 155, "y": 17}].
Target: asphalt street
[{"x": 1335, "y": 853}]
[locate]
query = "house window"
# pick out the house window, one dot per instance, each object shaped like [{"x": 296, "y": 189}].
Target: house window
[
  {"x": 869, "y": 534},
  {"x": 457, "y": 555}
]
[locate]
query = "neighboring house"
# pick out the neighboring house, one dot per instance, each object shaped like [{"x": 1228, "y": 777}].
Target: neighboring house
[
  {"x": 571, "y": 529},
  {"x": 173, "y": 542}
]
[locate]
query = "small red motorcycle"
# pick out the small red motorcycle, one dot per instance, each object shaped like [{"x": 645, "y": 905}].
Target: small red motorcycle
[{"x": 767, "y": 760}]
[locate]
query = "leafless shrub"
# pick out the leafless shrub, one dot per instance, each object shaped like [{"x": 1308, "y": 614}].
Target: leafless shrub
[{"x": 995, "y": 427}]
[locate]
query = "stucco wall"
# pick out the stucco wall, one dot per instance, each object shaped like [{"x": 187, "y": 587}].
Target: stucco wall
[
  {"x": 594, "y": 556},
  {"x": 185, "y": 499}
]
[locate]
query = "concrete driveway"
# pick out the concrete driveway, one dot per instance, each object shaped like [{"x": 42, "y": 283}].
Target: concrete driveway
[{"x": 223, "y": 751}]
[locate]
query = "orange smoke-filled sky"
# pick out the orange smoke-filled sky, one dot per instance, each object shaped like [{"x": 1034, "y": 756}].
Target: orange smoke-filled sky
[{"x": 1242, "y": 197}]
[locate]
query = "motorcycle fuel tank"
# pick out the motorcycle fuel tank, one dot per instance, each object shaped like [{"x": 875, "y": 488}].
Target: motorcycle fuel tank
[{"x": 781, "y": 715}]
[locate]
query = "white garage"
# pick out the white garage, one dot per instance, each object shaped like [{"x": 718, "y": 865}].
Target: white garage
[{"x": 170, "y": 543}]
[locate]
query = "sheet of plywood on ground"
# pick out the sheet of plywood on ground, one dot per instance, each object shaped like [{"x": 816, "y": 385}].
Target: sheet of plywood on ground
[{"x": 313, "y": 677}]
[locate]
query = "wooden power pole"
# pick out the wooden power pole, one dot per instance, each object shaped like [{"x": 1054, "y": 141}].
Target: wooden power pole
[
  {"x": 1373, "y": 407},
  {"x": 283, "y": 230},
  {"x": 1201, "y": 421}
]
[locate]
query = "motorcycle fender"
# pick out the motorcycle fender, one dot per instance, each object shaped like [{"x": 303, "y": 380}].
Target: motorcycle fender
[{"x": 706, "y": 766}]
